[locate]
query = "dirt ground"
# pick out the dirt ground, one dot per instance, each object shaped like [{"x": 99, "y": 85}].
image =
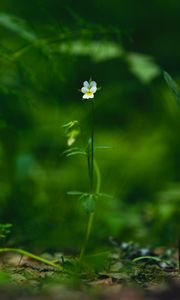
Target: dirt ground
[{"x": 26, "y": 279}]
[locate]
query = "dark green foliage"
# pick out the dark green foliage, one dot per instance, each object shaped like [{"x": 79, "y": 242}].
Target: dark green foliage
[
  {"x": 47, "y": 49},
  {"x": 18, "y": 26},
  {"x": 5, "y": 230}
]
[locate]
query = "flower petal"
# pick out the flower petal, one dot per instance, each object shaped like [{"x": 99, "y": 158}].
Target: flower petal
[
  {"x": 93, "y": 89},
  {"x": 93, "y": 83},
  {"x": 84, "y": 89},
  {"x": 85, "y": 96},
  {"x": 86, "y": 84}
]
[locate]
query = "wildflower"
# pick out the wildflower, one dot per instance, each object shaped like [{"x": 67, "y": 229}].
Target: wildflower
[{"x": 88, "y": 89}]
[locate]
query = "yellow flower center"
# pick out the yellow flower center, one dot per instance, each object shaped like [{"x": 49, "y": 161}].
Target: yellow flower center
[{"x": 89, "y": 93}]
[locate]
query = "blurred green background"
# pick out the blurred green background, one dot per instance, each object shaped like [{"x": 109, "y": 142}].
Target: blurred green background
[{"x": 47, "y": 49}]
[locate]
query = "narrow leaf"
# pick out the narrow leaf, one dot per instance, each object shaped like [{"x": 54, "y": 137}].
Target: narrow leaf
[
  {"x": 103, "y": 147},
  {"x": 105, "y": 195},
  {"x": 18, "y": 26},
  {"x": 173, "y": 86},
  {"x": 147, "y": 257},
  {"x": 76, "y": 153},
  {"x": 74, "y": 193},
  {"x": 71, "y": 149}
]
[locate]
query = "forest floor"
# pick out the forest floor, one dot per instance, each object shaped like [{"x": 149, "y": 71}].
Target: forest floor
[{"x": 128, "y": 272}]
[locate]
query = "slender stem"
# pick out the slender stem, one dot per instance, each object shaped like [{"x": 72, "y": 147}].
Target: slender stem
[
  {"x": 91, "y": 215},
  {"x": 89, "y": 169},
  {"x": 38, "y": 258},
  {"x": 98, "y": 176},
  {"x": 91, "y": 172},
  {"x": 88, "y": 231},
  {"x": 92, "y": 147}
]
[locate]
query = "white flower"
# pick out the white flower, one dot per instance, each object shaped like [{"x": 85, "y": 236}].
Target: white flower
[{"x": 88, "y": 89}]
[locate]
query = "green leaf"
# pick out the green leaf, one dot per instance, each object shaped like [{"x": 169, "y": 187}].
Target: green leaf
[
  {"x": 143, "y": 66},
  {"x": 103, "y": 147},
  {"x": 173, "y": 86},
  {"x": 97, "y": 50},
  {"x": 74, "y": 193},
  {"x": 18, "y": 26},
  {"x": 71, "y": 149},
  {"x": 147, "y": 257},
  {"x": 88, "y": 202},
  {"x": 76, "y": 153},
  {"x": 70, "y": 124},
  {"x": 105, "y": 195},
  {"x": 5, "y": 230}
]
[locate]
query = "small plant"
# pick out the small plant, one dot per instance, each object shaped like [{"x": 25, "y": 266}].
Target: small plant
[
  {"x": 89, "y": 198},
  {"x": 5, "y": 230}
]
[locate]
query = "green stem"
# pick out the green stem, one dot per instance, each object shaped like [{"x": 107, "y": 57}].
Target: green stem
[
  {"x": 92, "y": 148},
  {"x": 88, "y": 231},
  {"x": 91, "y": 215},
  {"x": 91, "y": 172},
  {"x": 98, "y": 177},
  {"x": 89, "y": 169},
  {"x": 38, "y": 258}
]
